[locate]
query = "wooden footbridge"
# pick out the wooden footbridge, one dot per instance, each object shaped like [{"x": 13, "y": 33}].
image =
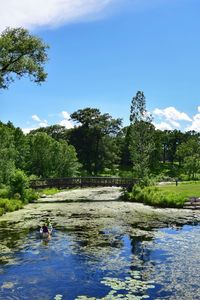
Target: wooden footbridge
[{"x": 70, "y": 182}]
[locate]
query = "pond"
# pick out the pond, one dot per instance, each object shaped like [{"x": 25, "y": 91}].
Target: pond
[{"x": 111, "y": 263}]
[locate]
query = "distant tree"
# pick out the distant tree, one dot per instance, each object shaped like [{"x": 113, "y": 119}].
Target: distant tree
[
  {"x": 140, "y": 136},
  {"x": 138, "y": 110},
  {"x": 142, "y": 146},
  {"x": 91, "y": 137},
  {"x": 123, "y": 140},
  {"x": 189, "y": 153},
  {"x": 64, "y": 160},
  {"x": 7, "y": 153},
  {"x": 21, "y": 147},
  {"x": 21, "y": 54},
  {"x": 56, "y": 131},
  {"x": 51, "y": 158}
]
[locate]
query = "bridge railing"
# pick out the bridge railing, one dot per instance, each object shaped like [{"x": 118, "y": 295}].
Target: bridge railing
[{"x": 82, "y": 182}]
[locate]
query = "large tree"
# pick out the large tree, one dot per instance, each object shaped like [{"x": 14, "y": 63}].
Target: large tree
[
  {"x": 94, "y": 139},
  {"x": 189, "y": 154},
  {"x": 142, "y": 146},
  {"x": 7, "y": 153},
  {"x": 138, "y": 110},
  {"x": 21, "y": 54},
  {"x": 51, "y": 158},
  {"x": 140, "y": 136}
]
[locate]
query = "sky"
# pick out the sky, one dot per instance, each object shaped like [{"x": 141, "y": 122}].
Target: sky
[{"x": 101, "y": 53}]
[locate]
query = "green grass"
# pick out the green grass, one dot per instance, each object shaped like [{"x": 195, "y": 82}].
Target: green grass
[
  {"x": 188, "y": 189},
  {"x": 50, "y": 191},
  {"x": 165, "y": 196},
  {"x": 9, "y": 205}
]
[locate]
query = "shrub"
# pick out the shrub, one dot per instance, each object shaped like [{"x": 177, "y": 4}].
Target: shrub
[
  {"x": 19, "y": 183},
  {"x": 4, "y": 192},
  {"x": 9, "y": 205},
  {"x": 30, "y": 195},
  {"x": 156, "y": 197}
]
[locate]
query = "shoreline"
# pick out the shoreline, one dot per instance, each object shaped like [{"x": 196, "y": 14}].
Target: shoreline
[{"x": 96, "y": 205}]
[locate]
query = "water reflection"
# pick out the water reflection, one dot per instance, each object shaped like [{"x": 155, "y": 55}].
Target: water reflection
[{"x": 111, "y": 263}]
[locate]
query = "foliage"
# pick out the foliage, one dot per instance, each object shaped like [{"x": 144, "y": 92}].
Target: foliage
[
  {"x": 51, "y": 158},
  {"x": 189, "y": 153},
  {"x": 7, "y": 153},
  {"x": 141, "y": 147},
  {"x": 138, "y": 110},
  {"x": 9, "y": 205},
  {"x": 21, "y": 54},
  {"x": 165, "y": 195},
  {"x": 4, "y": 192},
  {"x": 30, "y": 195},
  {"x": 140, "y": 136},
  {"x": 94, "y": 139},
  {"x": 19, "y": 183},
  {"x": 56, "y": 131},
  {"x": 157, "y": 197}
]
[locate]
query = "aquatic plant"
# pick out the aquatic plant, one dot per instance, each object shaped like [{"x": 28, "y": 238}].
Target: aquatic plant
[{"x": 131, "y": 287}]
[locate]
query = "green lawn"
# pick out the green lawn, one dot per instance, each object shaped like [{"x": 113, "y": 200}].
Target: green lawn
[
  {"x": 187, "y": 189},
  {"x": 168, "y": 195},
  {"x": 49, "y": 191}
]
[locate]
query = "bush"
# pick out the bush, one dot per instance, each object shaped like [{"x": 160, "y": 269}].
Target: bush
[
  {"x": 9, "y": 205},
  {"x": 1, "y": 211},
  {"x": 30, "y": 195},
  {"x": 156, "y": 197},
  {"x": 19, "y": 183},
  {"x": 4, "y": 192}
]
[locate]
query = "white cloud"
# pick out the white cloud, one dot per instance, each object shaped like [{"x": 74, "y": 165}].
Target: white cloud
[
  {"x": 66, "y": 123},
  {"x": 43, "y": 124},
  {"x": 171, "y": 114},
  {"x": 174, "y": 124},
  {"x": 65, "y": 115},
  {"x": 35, "y": 118},
  {"x": 163, "y": 126},
  {"x": 34, "y": 13},
  {"x": 195, "y": 123},
  {"x": 27, "y": 130},
  {"x": 198, "y": 108}
]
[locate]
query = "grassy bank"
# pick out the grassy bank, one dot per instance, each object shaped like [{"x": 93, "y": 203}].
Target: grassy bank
[
  {"x": 50, "y": 191},
  {"x": 165, "y": 195},
  {"x": 9, "y": 205}
]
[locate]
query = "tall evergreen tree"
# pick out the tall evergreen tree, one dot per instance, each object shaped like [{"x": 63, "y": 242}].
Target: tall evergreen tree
[
  {"x": 141, "y": 142},
  {"x": 138, "y": 110}
]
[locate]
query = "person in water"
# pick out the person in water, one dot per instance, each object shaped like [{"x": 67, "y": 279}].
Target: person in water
[{"x": 46, "y": 229}]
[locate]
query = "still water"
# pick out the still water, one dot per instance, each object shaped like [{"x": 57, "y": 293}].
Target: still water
[{"x": 163, "y": 263}]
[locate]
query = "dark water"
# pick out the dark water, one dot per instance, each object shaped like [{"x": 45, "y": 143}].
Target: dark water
[{"x": 109, "y": 264}]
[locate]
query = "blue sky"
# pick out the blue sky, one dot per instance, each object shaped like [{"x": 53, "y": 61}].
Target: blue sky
[{"x": 103, "y": 52}]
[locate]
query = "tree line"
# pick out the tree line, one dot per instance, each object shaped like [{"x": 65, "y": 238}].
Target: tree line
[{"x": 100, "y": 145}]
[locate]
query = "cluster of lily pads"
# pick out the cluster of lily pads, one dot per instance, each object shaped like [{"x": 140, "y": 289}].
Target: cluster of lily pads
[{"x": 132, "y": 287}]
